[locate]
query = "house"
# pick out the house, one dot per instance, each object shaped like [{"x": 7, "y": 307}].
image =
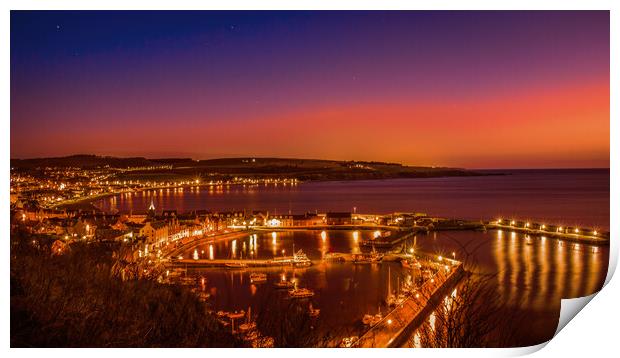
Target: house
[
  {"x": 338, "y": 218},
  {"x": 110, "y": 234},
  {"x": 155, "y": 232}
]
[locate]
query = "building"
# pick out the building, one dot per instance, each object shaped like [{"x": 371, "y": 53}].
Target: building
[
  {"x": 154, "y": 231},
  {"x": 338, "y": 218}
]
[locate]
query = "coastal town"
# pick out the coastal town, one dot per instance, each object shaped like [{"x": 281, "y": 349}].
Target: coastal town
[
  {"x": 305, "y": 179},
  {"x": 54, "y": 214}
]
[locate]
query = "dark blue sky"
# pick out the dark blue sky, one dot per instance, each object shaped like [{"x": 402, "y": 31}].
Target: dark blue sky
[{"x": 97, "y": 81}]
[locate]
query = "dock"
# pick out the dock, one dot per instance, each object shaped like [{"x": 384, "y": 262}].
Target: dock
[
  {"x": 568, "y": 233},
  {"x": 398, "y": 325},
  {"x": 389, "y": 241},
  {"x": 230, "y": 263}
]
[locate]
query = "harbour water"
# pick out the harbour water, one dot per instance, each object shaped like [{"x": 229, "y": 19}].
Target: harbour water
[
  {"x": 530, "y": 279},
  {"x": 568, "y": 197},
  {"x": 530, "y": 276}
]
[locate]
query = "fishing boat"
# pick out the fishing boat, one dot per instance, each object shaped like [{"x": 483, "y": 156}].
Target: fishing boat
[
  {"x": 368, "y": 258},
  {"x": 371, "y": 320},
  {"x": 300, "y": 293},
  {"x": 284, "y": 284},
  {"x": 333, "y": 257},
  {"x": 258, "y": 277},
  {"x": 376, "y": 319},
  {"x": 249, "y": 325},
  {"x": 263, "y": 342},
  {"x": 300, "y": 259},
  {"x": 250, "y": 335},
  {"x": 367, "y": 319},
  {"x": 236, "y": 314},
  {"x": 348, "y": 342},
  {"x": 203, "y": 296},
  {"x": 313, "y": 312},
  {"x": 187, "y": 280}
]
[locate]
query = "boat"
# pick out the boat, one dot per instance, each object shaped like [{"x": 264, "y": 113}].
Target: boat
[
  {"x": 348, "y": 342},
  {"x": 407, "y": 288},
  {"x": 250, "y": 335},
  {"x": 300, "y": 293},
  {"x": 368, "y": 258},
  {"x": 391, "y": 300},
  {"x": 367, "y": 319},
  {"x": 300, "y": 259},
  {"x": 376, "y": 319},
  {"x": 258, "y": 277},
  {"x": 236, "y": 314},
  {"x": 371, "y": 320},
  {"x": 187, "y": 280},
  {"x": 249, "y": 326},
  {"x": 313, "y": 312},
  {"x": 203, "y": 296},
  {"x": 333, "y": 257},
  {"x": 263, "y": 342},
  {"x": 284, "y": 284}
]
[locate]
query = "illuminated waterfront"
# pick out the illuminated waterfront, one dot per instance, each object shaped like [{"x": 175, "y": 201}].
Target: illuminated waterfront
[
  {"x": 531, "y": 278},
  {"x": 566, "y": 197}
]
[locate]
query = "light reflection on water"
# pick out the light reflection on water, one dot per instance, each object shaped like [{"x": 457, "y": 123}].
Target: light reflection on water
[
  {"x": 531, "y": 278},
  {"x": 532, "y": 195}
]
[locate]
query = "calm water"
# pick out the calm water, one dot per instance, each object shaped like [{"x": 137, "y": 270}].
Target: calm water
[
  {"x": 566, "y": 197},
  {"x": 530, "y": 279}
]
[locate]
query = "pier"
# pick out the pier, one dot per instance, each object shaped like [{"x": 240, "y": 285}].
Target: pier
[
  {"x": 235, "y": 264},
  {"x": 398, "y": 325},
  {"x": 568, "y": 233},
  {"x": 391, "y": 240}
]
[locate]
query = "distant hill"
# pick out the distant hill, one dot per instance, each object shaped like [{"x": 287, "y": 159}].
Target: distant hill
[
  {"x": 81, "y": 161},
  {"x": 302, "y": 169}
]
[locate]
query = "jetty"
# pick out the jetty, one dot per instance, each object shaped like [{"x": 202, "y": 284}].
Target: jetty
[
  {"x": 568, "y": 233},
  {"x": 398, "y": 325},
  {"x": 387, "y": 241}
]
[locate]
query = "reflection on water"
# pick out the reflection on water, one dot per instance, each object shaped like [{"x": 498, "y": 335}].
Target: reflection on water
[
  {"x": 567, "y": 197},
  {"x": 531, "y": 275}
]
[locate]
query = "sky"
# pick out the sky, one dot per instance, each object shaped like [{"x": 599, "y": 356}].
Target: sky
[{"x": 471, "y": 89}]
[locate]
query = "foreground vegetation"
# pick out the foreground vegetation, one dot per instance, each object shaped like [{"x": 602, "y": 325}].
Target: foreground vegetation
[{"x": 72, "y": 300}]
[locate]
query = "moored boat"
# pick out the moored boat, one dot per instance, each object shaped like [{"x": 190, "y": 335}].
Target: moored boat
[
  {"x": 301, "y": 260},
  {"x": 333, "y": 257},
  {"x": 258, "y": 277},
  {"x": 300, "y": 293},
  {"x": 348, "y": 342},
  {"x": 313, "y": 312},
  {"x": 284, "y": 284}
]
